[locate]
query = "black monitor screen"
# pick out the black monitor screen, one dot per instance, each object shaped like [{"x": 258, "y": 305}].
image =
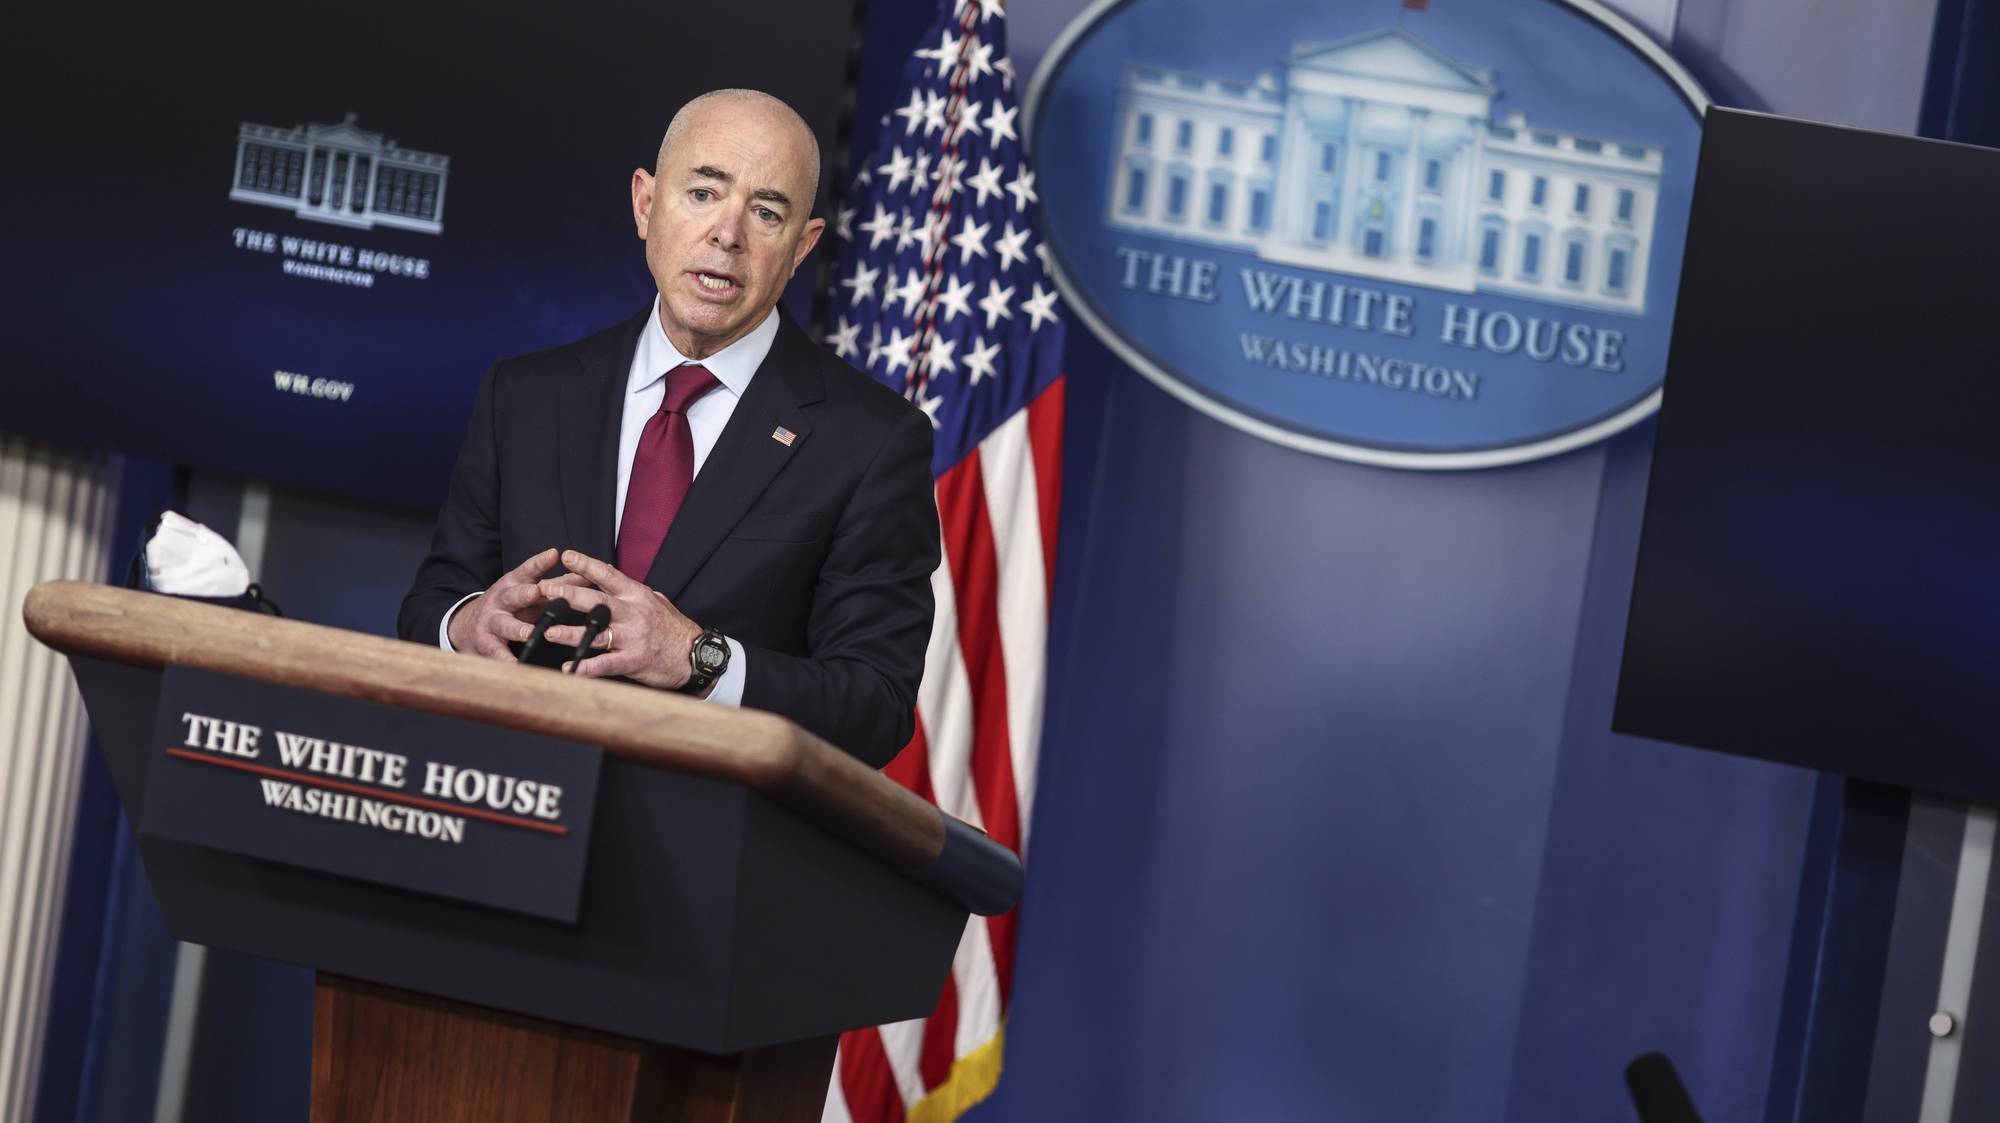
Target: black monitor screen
[
  {"x": 287, "y": 240},
  {"x": 1819, "y": 573}
]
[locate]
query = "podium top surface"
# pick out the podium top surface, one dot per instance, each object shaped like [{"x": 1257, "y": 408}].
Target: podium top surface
[{"x": 759, "y": 750}]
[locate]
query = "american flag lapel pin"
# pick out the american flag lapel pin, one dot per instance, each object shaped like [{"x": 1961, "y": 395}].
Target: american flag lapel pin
[{"x": 784, "y": 436}]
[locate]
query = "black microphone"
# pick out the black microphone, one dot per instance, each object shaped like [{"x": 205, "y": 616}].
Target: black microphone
[
  {"x": 1657, "y": 1091},
  {"x": 593, "y": 626},
  {"x": 557, "y": 610}
]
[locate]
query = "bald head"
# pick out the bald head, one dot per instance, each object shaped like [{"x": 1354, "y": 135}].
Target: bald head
[
  {"x": 754, "y": 110},
  {"x": 726, "y": 214}
]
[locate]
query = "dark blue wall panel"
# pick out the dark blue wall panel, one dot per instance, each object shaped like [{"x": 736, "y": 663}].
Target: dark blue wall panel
[
  {"x": 1664, "y": 920},
  {"x": 1296, "y": 791}
]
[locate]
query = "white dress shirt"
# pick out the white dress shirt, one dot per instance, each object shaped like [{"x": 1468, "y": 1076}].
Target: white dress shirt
[{"x": 645, "y": 389}]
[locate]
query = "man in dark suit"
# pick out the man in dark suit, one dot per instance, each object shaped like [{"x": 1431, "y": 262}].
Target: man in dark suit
[{"x": 768, "y": 509}]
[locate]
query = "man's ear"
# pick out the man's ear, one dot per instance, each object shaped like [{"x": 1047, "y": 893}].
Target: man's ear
[
  {"x": 808, "y": 238},
  {"x": 642, "y": 200}
]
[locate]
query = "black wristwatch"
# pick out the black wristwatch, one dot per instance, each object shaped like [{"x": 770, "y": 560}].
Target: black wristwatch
[{"x": 707, "y": 659}]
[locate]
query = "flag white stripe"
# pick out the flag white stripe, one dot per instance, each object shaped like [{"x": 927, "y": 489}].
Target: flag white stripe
[
  {"x": 836, "y": 1110},
  {"x": 903, "y": 1044},
  {"x": 944, "y": 701},
  {"x": 1013, "y": 507},
  {"x": 978, "y": 988}
]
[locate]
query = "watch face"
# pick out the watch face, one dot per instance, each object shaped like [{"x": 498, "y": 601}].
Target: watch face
[{"x": 710, "y": 655}]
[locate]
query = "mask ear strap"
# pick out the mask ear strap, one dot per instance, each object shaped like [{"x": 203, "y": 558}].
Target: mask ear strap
[
  {"x": 136, "y": 575},
  {"x": 256, "y": 594}
]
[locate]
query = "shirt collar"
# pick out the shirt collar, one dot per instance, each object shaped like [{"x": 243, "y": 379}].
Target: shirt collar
[{"x": 733, "y": 366}]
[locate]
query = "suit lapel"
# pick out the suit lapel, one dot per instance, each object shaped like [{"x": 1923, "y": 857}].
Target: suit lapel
[
  {"x": 589, "y": 409},
  {"x": 745, "y": 459}
]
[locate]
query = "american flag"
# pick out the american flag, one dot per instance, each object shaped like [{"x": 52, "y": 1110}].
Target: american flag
[{"x": 944, "y": 293}]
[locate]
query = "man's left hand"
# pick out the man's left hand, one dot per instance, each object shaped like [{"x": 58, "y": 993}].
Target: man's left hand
[{"x": 649, "y": 640}]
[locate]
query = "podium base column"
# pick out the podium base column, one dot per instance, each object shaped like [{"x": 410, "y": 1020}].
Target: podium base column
[{"x": 382, "y": 1055}]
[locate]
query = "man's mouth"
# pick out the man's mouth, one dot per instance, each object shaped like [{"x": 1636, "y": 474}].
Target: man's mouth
[{"x": 718, "y": 283}]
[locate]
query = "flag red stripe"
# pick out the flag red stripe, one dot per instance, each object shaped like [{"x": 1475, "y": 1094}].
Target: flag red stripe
[
  {"x": 1000, "y": 930},
  {"x": 912, "y": 766},
  {"x": 866, "y": 1080},
  {"x": 912, "y": 769},
  {"x": 941, "y": 1037},
  {"x": 975, "y": 565},
  {"x": 1045, "y": 430}
]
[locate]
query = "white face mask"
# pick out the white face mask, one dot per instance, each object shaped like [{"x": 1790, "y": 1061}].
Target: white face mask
[{"x": 186, "y": 558}]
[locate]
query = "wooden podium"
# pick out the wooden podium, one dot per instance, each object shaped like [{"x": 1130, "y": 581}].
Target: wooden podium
[{"x": 749, "y": 892}]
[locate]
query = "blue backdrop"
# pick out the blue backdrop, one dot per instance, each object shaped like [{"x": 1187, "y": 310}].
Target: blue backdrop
[{"x": 1331, "y": 822}]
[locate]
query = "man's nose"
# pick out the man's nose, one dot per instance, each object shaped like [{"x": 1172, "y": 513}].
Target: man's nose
[{"x": 727, "y": 233}]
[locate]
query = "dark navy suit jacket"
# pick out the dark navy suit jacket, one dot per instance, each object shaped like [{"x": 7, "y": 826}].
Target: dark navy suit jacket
[{"x": 815, "y": 556}]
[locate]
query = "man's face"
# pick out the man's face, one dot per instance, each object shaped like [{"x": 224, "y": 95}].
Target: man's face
[{"x": 725, "y": 222}]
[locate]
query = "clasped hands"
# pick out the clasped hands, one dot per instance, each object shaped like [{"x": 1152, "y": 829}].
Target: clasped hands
[{"x": 649, "y": 640}]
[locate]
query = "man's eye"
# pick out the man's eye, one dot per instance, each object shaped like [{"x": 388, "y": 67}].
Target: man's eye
[
  {"x": 767, "y": 214},
  {"x": 702, "y": 194}
]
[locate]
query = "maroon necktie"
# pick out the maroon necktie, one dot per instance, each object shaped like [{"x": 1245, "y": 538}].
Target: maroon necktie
[{"x": 662, "y": 472}]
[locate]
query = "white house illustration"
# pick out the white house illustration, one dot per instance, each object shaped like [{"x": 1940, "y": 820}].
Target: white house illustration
[
  {"x": 342, "y": 174},
  {"x": 1378, "y": 156}
]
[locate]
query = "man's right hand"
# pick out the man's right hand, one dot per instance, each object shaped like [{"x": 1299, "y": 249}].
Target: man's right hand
[{"x": 507, "y": 611}]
